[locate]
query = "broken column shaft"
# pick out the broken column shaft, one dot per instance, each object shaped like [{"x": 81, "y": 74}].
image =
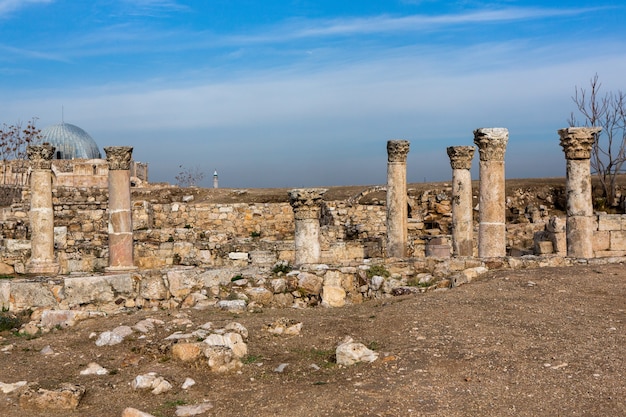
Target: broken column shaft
[
  {"x": 120, "y": 215},
  {"x": 462, "y": 220},
  {"x": 397, "y": 209},
  {"x": 577, "y": 143},
  {"x": 306, "y": 203},
  {"x": 41, "y": 212},
  {"x": 491, "y": 144}
]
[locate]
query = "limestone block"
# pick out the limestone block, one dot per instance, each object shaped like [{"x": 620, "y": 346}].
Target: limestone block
[
  {"x": 601, "y": 240},
  {"x": 618, "y": 240},
  {"x": 67, "y": 397},
  {"x": 60, "y": 237},
  {"x": 25, "y": 295},
  {"x": 544, "y": 247},
  {"x": 609, "y": 222},
  {"x": 16, "y": 245},
  {"x": 259, "y": 295},
  {"x": 186, "y": 352},
  {"x": 5, "y": 292},
  {"x": 182, "y": 281},
  {"x": 6, "y": 269},
  {"x": 97, "y": 289},
  {"x": 153, "y": 288},
  {"x": 310, "y": 283},
  {"x": 62, "y": 318},
  {"x": 333, "y": 296},
  {"x": 217, "y": 277}
]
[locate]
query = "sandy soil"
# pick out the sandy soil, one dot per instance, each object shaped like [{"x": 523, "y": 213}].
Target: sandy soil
[{"x": 546, "y": 342}]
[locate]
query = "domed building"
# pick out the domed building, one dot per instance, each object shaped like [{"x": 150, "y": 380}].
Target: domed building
[{"x": 71, "y": 142}]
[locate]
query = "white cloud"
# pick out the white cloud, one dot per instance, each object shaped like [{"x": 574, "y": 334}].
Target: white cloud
[{"x": 8, "y": 6}]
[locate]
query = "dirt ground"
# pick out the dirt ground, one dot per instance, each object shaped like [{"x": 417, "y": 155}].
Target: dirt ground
[{"x": 547, "y": 342}]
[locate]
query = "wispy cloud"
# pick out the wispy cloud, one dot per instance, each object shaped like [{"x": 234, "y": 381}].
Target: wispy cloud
[
  {"x": 415, "y": 23},
  {"x": 151, "y": 7},
  {"x": 9, "y": 6}
]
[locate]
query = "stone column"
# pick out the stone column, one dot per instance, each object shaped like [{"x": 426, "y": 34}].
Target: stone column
[
  {"x": 397, "y": 211},
  {"x": 120, "y": 215},
  {"x": 577, "y": 143},
  {"x": 42, "y": 260},
  {"x": 462, "y": 220},
  {"x": 491, "y": 144},
  {"x": 306, "y": 203}
]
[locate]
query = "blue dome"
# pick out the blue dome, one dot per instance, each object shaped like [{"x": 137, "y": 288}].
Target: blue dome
[{"x": 71, "y": 142}]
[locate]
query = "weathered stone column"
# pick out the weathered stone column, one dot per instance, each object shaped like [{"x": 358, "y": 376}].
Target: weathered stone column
[
  {"x": 577, "y": 143},
  {"x": 42, "y": 260},
  {"x": 306, "y": 203},
  {"x": 397, "y": 211},
  {"x": 462, "y": 220},
  {"x": 120, "y": 215},
  {"x": 491, "y": 144}
]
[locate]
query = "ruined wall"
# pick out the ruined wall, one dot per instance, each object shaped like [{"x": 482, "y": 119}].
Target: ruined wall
[{"x": 178, "y": 230}]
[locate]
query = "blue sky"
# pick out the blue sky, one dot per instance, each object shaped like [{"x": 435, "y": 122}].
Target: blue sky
[{"x": 293, "y": 93}]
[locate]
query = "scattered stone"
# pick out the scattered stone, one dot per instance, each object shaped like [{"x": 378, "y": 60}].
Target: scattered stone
[
  {"x": 151, "y": 381},
  {"x": 281, "y": 368},
  {"x": 232, "y": 305},
  {"x": 350, "y": 352},
  {"x": 221, "y": 359},
  {"x": 133, "y": 412},
  {"x": 67, "y": 397},
  {"x": 9, "y": 388},
  {"x": 186, "y": 352},
  {"x": 146, "y": 325},
  {"x": 94, "y": 369},
  {"x": 192, "y": 410},
  {"x": 188, "y": 383},
  {"x": 284, "y": 326},
  {"x": 109, "y": 339},
  {"x": 47, "y": 350},
  {"x": 29, "y": 329},
  {"x": 238, "y": 328}
]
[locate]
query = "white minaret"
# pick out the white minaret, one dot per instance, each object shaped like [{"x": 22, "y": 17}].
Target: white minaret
[{"x": 215, "y": 179}]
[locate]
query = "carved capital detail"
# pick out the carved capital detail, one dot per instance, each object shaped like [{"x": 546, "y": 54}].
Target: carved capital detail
[
  {"x": 397, "y": 150},
  {"x": 118, "y": 157},
  {"x": 306, "y": 202},
  {"x": 40, "y": 156},
  {"x": 461, "y": 156},
  {"x": 491, "y": 142},
  {"x": 577, "y": 142}
]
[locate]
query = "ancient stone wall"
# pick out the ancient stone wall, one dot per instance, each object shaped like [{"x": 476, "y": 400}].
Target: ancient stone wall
[{"x": 178, "y": 230}]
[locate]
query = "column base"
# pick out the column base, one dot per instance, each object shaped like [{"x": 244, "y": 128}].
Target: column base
[
  {"x": 120, "y": 268},
  {"x": 42, "y": 267}
]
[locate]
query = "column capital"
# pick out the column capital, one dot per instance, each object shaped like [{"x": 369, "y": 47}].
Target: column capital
[
  {"x": 491, "y": 142},
  {"x": 118, "y": 157},
  {"x": 40, "y": 155},
  {"x": 397, "y": 150},
  {"x": 577, "y": 142},
  {"x": 306, "y": 202},
  {"x": 461, "y": 156}
]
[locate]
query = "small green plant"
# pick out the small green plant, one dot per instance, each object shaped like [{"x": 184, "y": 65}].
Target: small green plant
[
  {"x": 8, "y": 322},
  {"x": 282, "y": 268},
  {"x": 415, "y": 282},
  {"x": 188, "y": 226},
  {"x": 377, "y": 270},
  {"x": 2, "y": 276},
  {"x": 373, "y": 345},
  {"x": 170, "y": 239},
  {"x": 248, "y": 359},
  {"x": 236, "y": 278},
  {"x": 255, "y": 234}
]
